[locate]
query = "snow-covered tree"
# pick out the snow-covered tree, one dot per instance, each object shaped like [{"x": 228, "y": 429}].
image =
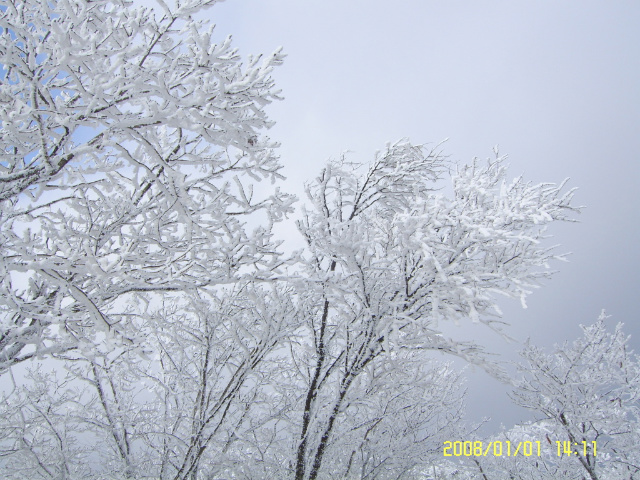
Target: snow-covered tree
[
  {"x": 389, "y": 258},
  {"x": 178, "y": 414},
  {"x": 179, "y": 342},
  {"x": 589, "y": 393},
  {"x": 130, "y": 141}
]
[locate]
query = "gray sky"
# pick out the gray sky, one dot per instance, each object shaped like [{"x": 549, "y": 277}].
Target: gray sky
[{"x": 555, "y": 84}]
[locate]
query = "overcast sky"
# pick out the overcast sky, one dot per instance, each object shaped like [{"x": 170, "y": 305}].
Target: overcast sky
[{"x": 555, "y": 84}]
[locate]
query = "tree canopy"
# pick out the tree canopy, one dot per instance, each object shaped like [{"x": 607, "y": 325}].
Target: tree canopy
[{"x": 151, "y": 325}]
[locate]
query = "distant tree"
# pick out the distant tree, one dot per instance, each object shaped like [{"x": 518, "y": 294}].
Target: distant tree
[
  {"x": 509, "y": 457},
  {"x": 137, "y": 260},
  {"x": 589, "y": 393}
]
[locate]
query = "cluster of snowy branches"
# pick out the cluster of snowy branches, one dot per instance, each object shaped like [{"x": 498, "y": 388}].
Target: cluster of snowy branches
[
  {"x": 151, "y": 327},
  {"x": 126, "y": 144}
]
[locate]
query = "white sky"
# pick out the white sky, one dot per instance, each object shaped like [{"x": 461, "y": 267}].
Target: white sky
[{"x": 555, "y": 84}]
